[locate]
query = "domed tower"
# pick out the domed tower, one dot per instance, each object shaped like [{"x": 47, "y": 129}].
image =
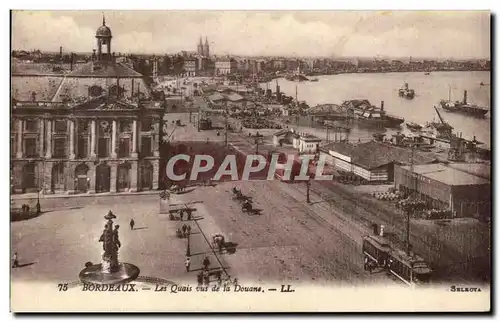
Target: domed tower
[
  {"x": 103, "y": 35},
  {"x": 206, "y": 50}
]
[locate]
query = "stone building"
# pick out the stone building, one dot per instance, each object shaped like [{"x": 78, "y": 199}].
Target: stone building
[{"x": 94, "y": 129}]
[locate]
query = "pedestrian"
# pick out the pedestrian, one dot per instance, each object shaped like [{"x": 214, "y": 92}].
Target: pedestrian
[
  {"x": 206, "y": 262},
  {"x": 15, "y": 262},
  {"x": 366, "y": 263},
  {"x": 188, "y": 264},
  {"x": 132, "y": 224},
  {"x": 184, "y": 229},
  {"x": 181, "y": 214},
  {"x": 206, "y": 278},
  {"x": 189, "y": 214},
  {"x": 219, "y": 278},
  {"x": 199, "y": 278},
  {"x": 370, "y": 266}
]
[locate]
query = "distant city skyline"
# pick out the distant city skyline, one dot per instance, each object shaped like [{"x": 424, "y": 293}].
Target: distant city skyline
[{"x": 329, "y": 34}]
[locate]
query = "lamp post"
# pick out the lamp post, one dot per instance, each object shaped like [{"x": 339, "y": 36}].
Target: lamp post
[
  {"x": 38, "y": 207},
  {"x": 308, "y": 184},
  {"x": 188, "y": 249}
]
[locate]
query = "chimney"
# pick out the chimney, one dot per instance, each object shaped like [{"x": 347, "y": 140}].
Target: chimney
[
  {"x": 132, "y": 90},
  {"x": 114, "y": 58},
  {"x": 60, "y": 53},
  {"x": 465, "y": 97},
  {"x": 382, "y": 105},
  {"x": 71, "y": 62}
]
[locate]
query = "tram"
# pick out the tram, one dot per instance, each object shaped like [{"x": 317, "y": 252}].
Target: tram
[{"x": 410, "y": 269}]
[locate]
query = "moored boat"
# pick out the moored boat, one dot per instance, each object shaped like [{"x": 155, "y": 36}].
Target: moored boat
[
  {"x": 413, "y": 126},
  {"x": 366, "y": 114},
  {"x": 464, "y": 107}
]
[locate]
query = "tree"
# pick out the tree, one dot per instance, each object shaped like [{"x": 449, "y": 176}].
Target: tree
[{"x": 166, "y": 65}]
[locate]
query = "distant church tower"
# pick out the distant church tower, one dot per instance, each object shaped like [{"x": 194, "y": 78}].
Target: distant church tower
[
  {"x": 103, "y": 35},
  {"x": 200, "y": 48},
  {"x": 206, "y": 50}
]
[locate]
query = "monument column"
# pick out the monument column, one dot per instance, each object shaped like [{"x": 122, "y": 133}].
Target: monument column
[
  {"x": 48, "y": 153},
  {"x": 19, "y": 148},
  {"x": 113, "y": 139},
  {"x": 92, "y": 138}
]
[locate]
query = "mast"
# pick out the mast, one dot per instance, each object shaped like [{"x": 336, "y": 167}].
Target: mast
[{"x": 449, "y": 93}]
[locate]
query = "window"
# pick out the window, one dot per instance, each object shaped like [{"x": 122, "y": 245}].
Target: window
[
  {"x": 103, "y": 148},
  {"x": 83, "y": 126},
  {"x": 125, "y": 126},
  {"x": 95, "y": 91},
  {"x": 59, "y": 148},
  {"x": 30, "y": 147},
  {"x": 146, "y": 146},
  {"x": 12, "y": 147},
  {"x": 60, "y": 126},
  {"x": 146, "y": 125},
  {"x": 83, "y": 148},
  {"x": 124, "y": 148},
  {"x": 31, "y": 125}
]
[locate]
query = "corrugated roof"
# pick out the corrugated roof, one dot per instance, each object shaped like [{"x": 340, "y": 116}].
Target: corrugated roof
[
  {"x": 447, "y": 175},
  {"x": 481, "y": 170},
  {"x": 326, "y": 108},
  {"x": 216, "y": 97},
  {"x": 371, "y": 155},
  {"x": 233, "y": 97},
  {"x": 108, "y": 69}
]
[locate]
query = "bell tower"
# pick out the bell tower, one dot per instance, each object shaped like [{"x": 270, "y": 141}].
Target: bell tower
[{"x": 103, "y": 36}]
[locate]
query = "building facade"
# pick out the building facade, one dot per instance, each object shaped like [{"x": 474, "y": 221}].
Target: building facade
[
  {"x": 92, "y": 130},
  {"x": 191, "y": 66},
  {"x": 444, "y": 187},
  {"x": 225, "y": 66}
]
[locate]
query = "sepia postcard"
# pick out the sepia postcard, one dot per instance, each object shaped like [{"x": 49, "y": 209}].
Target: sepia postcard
[{"x": 250, "y": 161}]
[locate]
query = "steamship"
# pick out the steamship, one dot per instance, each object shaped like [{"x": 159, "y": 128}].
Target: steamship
[
  {"x": 463, "y": 107},
  {"x": 364, "y": 113}
]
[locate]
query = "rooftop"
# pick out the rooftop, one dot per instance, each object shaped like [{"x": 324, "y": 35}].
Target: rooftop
[
  {"x": 374, "y": 154},
  {"x": 447, "y": 175},
  {"x": 481, "y": 170},
  {"x": 109, "y": 69}
]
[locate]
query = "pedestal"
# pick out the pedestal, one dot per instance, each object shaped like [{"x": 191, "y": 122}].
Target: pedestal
[{"x": 94, "y": 274}]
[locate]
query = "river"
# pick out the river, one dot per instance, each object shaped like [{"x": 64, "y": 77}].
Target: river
[{"x": 429, "y": 89}]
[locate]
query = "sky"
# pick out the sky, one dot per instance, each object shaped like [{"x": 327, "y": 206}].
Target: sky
[{"x": 430, "y": 34}]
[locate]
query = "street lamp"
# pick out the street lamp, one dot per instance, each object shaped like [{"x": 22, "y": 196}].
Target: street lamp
[
  {"x": 188, "y": 249},
  {"x": 308, "y": 184}
]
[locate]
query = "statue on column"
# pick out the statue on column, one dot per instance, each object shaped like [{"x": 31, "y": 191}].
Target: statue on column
[{"x": 111, "y": 244}]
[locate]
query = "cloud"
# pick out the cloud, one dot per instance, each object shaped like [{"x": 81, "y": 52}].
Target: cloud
[{"x": 305, "y": 33}]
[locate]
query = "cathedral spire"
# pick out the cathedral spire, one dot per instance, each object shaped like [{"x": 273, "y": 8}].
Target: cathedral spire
[{"x": 103, "y": 20}]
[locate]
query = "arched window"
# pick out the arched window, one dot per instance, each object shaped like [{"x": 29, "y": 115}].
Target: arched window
[{"x": 95, "y": 91}]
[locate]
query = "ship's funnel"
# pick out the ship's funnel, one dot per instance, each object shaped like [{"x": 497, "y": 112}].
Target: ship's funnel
[
  {"x": 382, "y": 105},
  {"x": 465, "y": 97}
]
